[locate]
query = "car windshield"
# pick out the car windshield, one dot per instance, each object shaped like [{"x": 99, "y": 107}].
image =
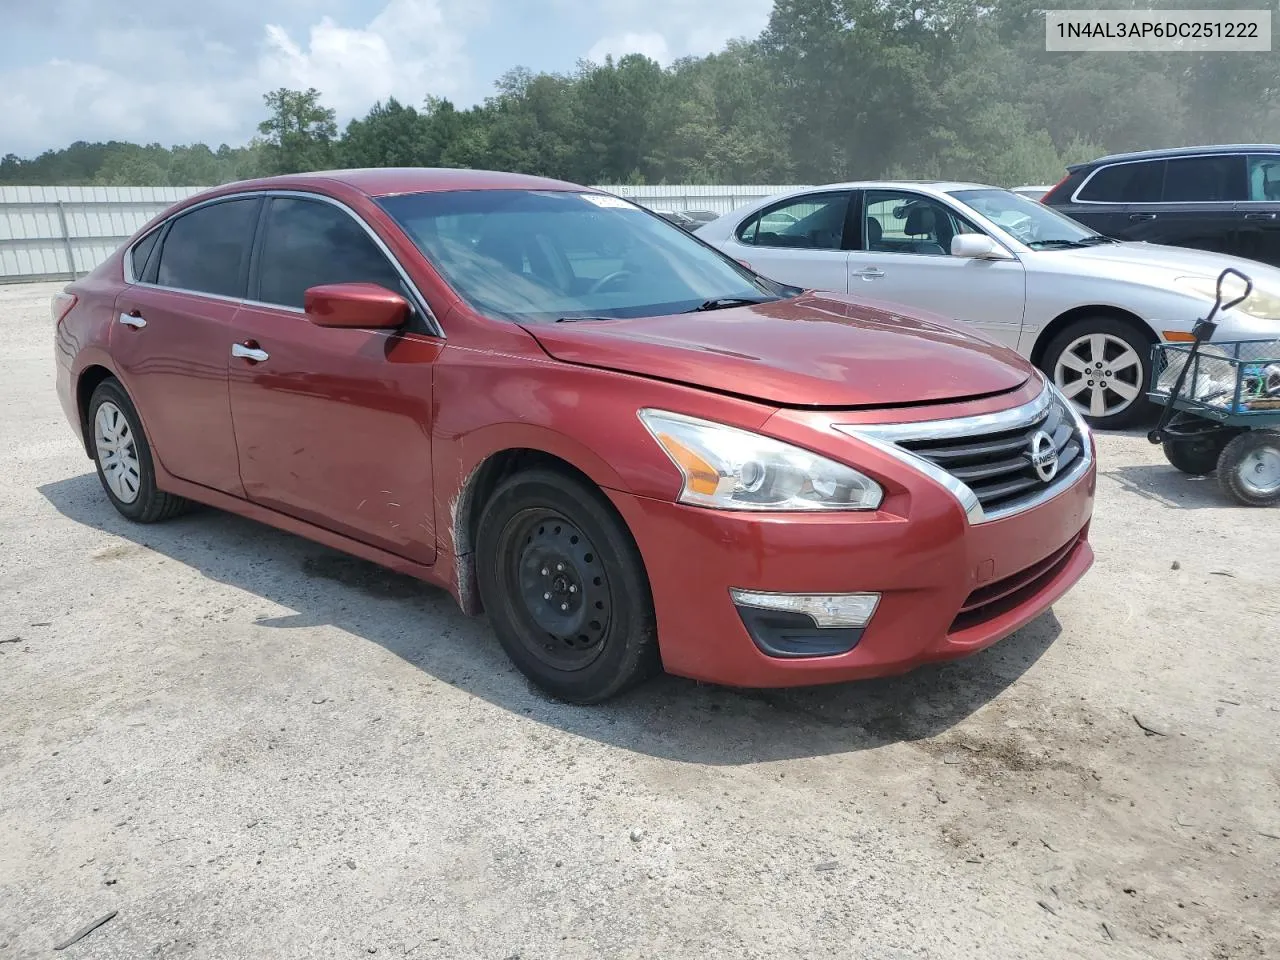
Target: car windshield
[
  {"x": 1036, "y": 225},
  {"x": 532, "y": 255}
]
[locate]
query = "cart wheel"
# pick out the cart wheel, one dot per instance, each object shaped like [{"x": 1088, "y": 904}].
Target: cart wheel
[
  {"x": 1249, "y": 468},
  {"x": 1196, "y": 455}
]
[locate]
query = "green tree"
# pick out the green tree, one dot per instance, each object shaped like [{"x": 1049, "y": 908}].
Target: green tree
[{"x": 298, "y": 132}]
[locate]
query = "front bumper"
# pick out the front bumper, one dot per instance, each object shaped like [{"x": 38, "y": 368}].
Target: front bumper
[{"x": 948, "y": 587}]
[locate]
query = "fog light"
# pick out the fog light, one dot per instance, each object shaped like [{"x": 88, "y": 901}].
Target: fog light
[{"x": 826, "y": 610}]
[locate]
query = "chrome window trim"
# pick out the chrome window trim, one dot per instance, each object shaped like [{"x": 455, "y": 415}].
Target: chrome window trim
[
  {"x": 1075, "y": 197},
  {"x": 885, "y": 437},
  {"x": 433, "y": 324}
]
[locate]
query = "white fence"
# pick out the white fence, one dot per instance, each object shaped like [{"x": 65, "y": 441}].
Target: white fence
[{"x": 55, "y": 233}]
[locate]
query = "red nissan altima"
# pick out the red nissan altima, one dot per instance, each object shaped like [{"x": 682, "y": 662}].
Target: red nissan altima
[{"x": 628, "y": 450}]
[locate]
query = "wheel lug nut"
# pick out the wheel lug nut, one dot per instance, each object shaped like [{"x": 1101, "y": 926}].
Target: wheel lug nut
[
  {"x": 546, "y": 596},
  {"x": 545, "y": 571},
  {"x": 559, "y": 566},
  {"x": 573, "y": 588},
  {"x": 564, "y": 606}
]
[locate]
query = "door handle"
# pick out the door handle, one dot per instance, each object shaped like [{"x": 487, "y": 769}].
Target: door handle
[
  {"x": 1259, "y": 216},
  {"x": 1142, "y": 216},
  {"x": 132, "y": 320},
  {"x": 249, "y": 350},
  {"x": 871, "y": 273}
]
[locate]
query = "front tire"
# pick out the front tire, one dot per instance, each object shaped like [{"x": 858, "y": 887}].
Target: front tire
[
  {"x": 565, "y": 588},
  {"x": 123, "y": 457},
  {"x": 1103, "y": 366},
  {"x": 1249, "y": 468}
]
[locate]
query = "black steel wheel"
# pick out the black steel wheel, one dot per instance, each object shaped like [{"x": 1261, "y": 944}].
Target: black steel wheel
[
  {"x": 565, "y": 588},
  {"x": 1196, "y": 455}
]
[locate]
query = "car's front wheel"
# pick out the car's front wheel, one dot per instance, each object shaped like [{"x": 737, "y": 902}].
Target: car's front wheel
[
  {"x": 123, "y": 457},
  {"x": 1103, "y": 366},
  {"x": 564, "y": 587}
]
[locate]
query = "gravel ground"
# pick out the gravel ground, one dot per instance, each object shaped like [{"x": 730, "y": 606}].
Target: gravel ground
[{"x": 252, "y": 746}]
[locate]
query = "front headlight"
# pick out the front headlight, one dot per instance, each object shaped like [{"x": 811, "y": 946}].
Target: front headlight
[
  {"x": 733, "y": 469},
  {"x": 1262, "y": 304}
]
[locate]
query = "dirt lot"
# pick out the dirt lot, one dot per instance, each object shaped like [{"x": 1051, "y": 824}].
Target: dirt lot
[{"x": 251, "y": 746}]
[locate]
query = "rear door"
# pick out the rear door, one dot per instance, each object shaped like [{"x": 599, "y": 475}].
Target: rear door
[
  {"x": 905, "y": 258},
  {"x": 171, "y": 336},
  {"x": 1198, "y": 203},
  {"x": 1120, "y": 200},
  {"x": 1258, "y": 217},
  {"x": 799, "y": 241},
  {"x": 333, "y": 426}
]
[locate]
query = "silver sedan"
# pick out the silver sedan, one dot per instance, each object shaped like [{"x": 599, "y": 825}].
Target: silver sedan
[{"x": 1086, "y": 309}]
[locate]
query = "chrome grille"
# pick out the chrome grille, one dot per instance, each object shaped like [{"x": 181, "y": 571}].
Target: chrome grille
[
  {"x": 995, "y": 464},
  {"x": 998, "y": 467}
]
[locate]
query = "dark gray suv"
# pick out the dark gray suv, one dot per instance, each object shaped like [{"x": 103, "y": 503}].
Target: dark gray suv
[{"x": 1224, "y": 199}]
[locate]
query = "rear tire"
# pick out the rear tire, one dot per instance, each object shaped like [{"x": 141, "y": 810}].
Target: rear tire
[
  {"x": 565, "y": 588},
  {"x": 1249, "y": 468},
  {"x": 1103, "y": 365},
  {"x": 1197, "y": 456},
  {"x": 123, "y": 457}
]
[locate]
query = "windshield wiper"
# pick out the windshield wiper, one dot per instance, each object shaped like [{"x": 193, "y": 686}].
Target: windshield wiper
[
  {"x": 576, "y": 319},
  {"x": 1096, "y": 240},
  {"x": 1057, "y": 244},
  {"x": 722, "y": 303}
]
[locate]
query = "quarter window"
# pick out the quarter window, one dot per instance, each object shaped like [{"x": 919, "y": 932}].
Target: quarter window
[
  {"x": 141, "y": 251},
  {"x": 308, "y": 243},
  {"x": 813, "y": 222},
  {"x": 1126, "y": 183},
  {"x": 207, "y": 250}
]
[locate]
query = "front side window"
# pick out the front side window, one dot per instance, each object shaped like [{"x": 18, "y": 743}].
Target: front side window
[
  {"x": 533, "y": 255},
  {"x": 307, "y": 243},
  {"x": 1034, "y": 224},
  {"x": 1211, "y": 179},
  {"x": 1264, "y": 178},
  {"x": 207, "y": 250},
  {"x": 897, "y": 222},
  {"x": 812, "y": 222},
  {"x": 1139, "y": 182}
]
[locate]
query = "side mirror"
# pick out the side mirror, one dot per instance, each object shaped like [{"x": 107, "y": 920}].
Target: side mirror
[
  {"x": 977, "y": 246},
  {"x": 361, "y": 305}
]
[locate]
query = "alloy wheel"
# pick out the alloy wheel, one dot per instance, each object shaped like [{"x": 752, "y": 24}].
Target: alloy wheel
[{"x": 1100, "y": 374}]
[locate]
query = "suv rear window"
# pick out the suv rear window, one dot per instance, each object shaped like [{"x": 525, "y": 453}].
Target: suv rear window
[{"x": 1126, "y": 183}]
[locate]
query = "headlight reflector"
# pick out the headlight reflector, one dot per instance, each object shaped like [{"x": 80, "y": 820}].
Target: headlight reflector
[{"x": 732, "y": 469}]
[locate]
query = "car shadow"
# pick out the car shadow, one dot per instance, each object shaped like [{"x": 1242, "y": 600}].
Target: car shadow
[
  {"x": 669, "y": 718},
  {"x": 1166, "y": 485}
]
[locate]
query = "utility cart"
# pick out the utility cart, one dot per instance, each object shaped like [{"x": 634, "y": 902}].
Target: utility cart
[{"x": 1221, "y": 406}]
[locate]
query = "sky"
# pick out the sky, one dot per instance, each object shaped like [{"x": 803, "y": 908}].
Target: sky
[{"x": 177, "y": 71}]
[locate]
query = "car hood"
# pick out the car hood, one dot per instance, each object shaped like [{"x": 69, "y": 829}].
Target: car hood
[
  {"x": 1179, "y": 261},
  {"x": 809, "y": 351}
]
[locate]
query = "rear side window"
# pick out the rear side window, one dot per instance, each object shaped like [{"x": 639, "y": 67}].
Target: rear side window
[
  {"x": 1126, "y": 183},
  {"x": 308, "y": 243},
  {"x": 813, "y": 222},
  {"x": 207, "y": 250},
  {"x": 1204, "y": 179},
  {"x": 141, "y": 250}
]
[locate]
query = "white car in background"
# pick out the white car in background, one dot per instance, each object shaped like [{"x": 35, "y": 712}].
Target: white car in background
[{"x": 1084, "y": 308}]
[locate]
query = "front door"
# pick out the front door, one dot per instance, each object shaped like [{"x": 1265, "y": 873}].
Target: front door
[
  {"x": 906, "y": 259},
  {"x": 170, "y": 338},
  {"x": 333, "y": 425}
]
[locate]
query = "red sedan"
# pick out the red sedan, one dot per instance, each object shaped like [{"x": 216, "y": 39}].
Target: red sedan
[{"x": 628, "y": 450}]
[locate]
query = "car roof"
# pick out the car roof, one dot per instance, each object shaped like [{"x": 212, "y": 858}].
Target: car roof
[
  {"x": 1168, "y": 152},
  {"x": 389, "y": 181},
  {"x": 942, "y": 186}
]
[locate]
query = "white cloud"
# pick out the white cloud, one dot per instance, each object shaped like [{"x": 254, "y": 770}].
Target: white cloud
[
  {"x": 684, "y": 28},
  {"x": 179, "y": 85},
  {"x": 652, "y": 45}
]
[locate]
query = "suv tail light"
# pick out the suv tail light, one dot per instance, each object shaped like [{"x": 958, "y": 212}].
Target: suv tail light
[
  {"x": 1048, "y": 196},
  {"x": 61, "y": 305}
]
